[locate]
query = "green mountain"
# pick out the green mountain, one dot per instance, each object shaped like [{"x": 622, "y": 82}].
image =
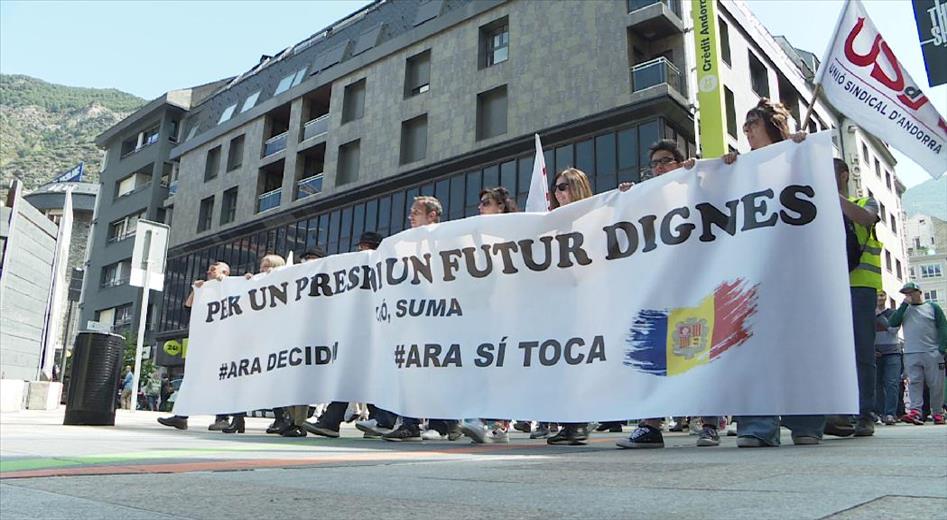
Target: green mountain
[
  {"x": 928, "y": 197},
  {"x": 46, "y": 129}
]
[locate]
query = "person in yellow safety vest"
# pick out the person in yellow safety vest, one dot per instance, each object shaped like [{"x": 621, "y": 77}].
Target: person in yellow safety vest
[{"x": 860, "y": 214}]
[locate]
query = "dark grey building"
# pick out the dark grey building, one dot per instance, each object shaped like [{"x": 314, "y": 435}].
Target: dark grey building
[{"x": 335, "y": 135}]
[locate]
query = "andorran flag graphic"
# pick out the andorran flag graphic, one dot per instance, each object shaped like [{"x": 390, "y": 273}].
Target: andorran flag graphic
[{"x": 672, "y": 341}]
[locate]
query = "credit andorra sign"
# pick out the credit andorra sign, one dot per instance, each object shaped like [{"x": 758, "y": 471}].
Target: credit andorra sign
[{"x": 622, "y": 305}]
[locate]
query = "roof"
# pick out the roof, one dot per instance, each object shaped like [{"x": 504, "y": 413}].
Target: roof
[{"x": 53, "y": 196}]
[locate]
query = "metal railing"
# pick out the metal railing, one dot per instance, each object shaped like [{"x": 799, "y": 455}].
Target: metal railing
[
  {"x": 673, "y": 5},
  {"x": 269, "y": 200},
  {"x": 655, "y": 72},
  {"x": 275, "y": 144},
  {"x": 316, "y": 127},
  {"x": 309, "y": 186}
]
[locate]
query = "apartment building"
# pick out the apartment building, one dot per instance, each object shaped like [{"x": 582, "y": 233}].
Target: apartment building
[{"x": 927, "y": 251}]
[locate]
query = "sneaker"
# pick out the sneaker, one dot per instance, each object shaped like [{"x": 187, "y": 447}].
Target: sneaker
[
  {"x": 404, "y": 434},
  {"x": 708, "y": 437},
  {"x": 219, "y": 425},
  {"x": 174, "y": 421},
  {"x": 522, "y": 426},
  {"x": 475, "y": 429},
  {"x": 838, "y": 426},
  {"x": 938, "y": 419},
  {"x": 541, "y": 432},
  {"x": 889, "y": 420},
  {"x": 569, "y": 435},
  {"x": 865, "y": 427},
  {"x": 913, "y": 417},
  {"x": 732, "y": 429},
  {"x": 644, "y": 436},
  {"x": 371, "y": 429},
  {"x": 678, "y": 426},
  {"x": 751, "y": 442},
  {"x": 498, "y": 436},
  {"x": 317, "y": 428},
  {"x": 806, "y": 440}
]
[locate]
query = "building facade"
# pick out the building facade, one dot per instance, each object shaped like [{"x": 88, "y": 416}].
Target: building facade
[{"x": 927, "y": 248}]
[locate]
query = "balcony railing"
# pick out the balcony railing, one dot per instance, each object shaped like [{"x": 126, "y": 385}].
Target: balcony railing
[
  {"x": 275, "y": 144},
  {"x": 673, "y": 5},
  {"x": 115, "y": 282},
  {"x": 316, "y": 127},
  {"x": 656, "y": 72},
  {"x": 269, "y": 200},
  {"x": 309, "y": 186},
  {"x": 172, "y": 187}
]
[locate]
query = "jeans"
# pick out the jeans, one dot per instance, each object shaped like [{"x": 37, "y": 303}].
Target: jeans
[
  {"x": 864, "y": 300},
  {"x": 889, "y": 379},
  {"x": 766, "y": 427},
  {"x": 152, "y": 402}
]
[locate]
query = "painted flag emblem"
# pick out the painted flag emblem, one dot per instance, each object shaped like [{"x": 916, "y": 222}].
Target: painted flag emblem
[{"x": 672, "y": 341}]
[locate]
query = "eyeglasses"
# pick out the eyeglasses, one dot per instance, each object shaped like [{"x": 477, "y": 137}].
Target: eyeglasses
[
  {"x": 750, "y": 122},
  {"x": 486, "y": 202},
  {"x": 664, "y": 161},
  {"x": 562, "y": 186}
]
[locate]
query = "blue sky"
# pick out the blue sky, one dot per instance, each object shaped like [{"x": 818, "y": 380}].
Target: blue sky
[{"x": 147, "y": 48}]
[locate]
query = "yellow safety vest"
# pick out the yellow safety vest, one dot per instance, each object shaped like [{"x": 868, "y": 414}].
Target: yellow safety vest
[{"x": 868, "y": 272}]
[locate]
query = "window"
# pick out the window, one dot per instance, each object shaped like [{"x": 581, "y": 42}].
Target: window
[
  {"x": 115, "y": 274},
  {"x": 494, "y": 43},
  {"x": 206, "y": 214},
  {"x": 877, "y": 168},
  {"x": 731, "y": 112},
  {"x": 414, "y": 139},
  {"x": 284, "y": 84},
  {"x": 894, "y": 224},
  {"x": 888, "y": 265},
  {"x": 930, "y": 271},
  {"x": 865, "y": 155},
  {"x": 212, "y": 163},
  {"x": 353, "y": 102},
  {"x": 911, "y": 272},
  {"x": 348, "y": 163},
  {"x": 168, "y": 215},
  {"x": 299, "y": 76},
  {"x": 123, "y": 316},
  {"x": 133, "y": 182},
  {"x": 173, "y": 131},
  {"x": 900, "y": 273},
  {"x": 235, "y": 153},
  {"x": 724, "y": 41},
  {"x": 883, "y": 213},
  {"x": 124, "y": 227},
  {"x": 888, "y": 179},
  {"x": 759, "y": 76},
  {"x": 930, "y": 295},
  {"x": 250, "y": 101},
  {"x": 228, "y": 206},
  {"x": 417, "y": 74},
  {"x": 227, "y": 113},
  {"x": 491, "y": 113}
]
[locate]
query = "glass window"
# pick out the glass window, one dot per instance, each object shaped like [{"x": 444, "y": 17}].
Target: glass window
[
  {"x": 399, "y": 207},
  {"x": 759, "y": 76},
  {"x": 332, "y": 246},
  {"x": 628, "y": 170},
  {"x": 472, "y": 197},
  {"x": 299, "y": 76},
  {"x": 442, "y": 193},
  {"x": 417, "y": 75},
  {"x": 428, "y": 189},
  {"x": 384, "y": 217},
  {"x": 491, "y": 176},
  {"x": 564, "y": 157},
  {"x": 345, "y": 231},
  {"x": 284, "y": 84},
  {"x": 457, "y": 203},
  {"x": 494, "y": 42},
  {"x": 250, "y": 101},
  {"x": 358, "y": 223},
  {"x": 724, "y": 30},
  {"x": 605, "y": 165},
  {"x": 648, "y": 134},
  {"x": 508, "y": 176},
  {"x": 312, "y": 234},
  {"x": 227, "y": 113},
  {"x": 585, "y": 156},
  {"x": 371, "y": 215}
]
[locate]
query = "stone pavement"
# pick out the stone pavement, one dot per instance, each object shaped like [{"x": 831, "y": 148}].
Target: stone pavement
[{"x": 141, "y": 470}]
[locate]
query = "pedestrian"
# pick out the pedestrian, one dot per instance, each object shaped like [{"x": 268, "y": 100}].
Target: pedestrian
[
  {"x": 665, "y": 157},
  {"x": 152, "y": 388},
  {"x": 887, "y": 361},
  {"x": 216, "y": 271},
  {"x": 925, "y": 343},
  {"x": 425, "y": 210},
  {"x": 127, "y": 383},
  {"x": 765, "y": 124}
]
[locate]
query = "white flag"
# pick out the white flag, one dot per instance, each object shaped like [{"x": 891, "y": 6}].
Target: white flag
[
  {"x": 862, "y": 78},
  {"x": 58, "y": 289},
  {"x": 538, "y": 199}
]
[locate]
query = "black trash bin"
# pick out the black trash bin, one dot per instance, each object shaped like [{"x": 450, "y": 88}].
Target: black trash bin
[{"x": 94, "y": 378}]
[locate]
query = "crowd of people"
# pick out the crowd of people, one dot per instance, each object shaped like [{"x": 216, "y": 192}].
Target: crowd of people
[{"x": 880, "y": 351}]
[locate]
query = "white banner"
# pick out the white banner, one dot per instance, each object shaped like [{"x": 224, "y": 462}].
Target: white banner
[
  {"x": 862, "y": 78},
  {"x": 716, "y": 290}
]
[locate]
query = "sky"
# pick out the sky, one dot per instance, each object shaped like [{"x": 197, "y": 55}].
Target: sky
[{"x": 148, "y": 48}]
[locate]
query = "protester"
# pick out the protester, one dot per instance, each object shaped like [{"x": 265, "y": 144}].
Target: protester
[
  {"x": 925, "y": 343},
  {"x": 424, "y": 211},
  {"x": 127, "y": 383},
  {"x": 768, "y": 123},
  {"x": 888, "y": 362},
  {"x": 217, "y": 271},
  {"x": 665, "y": 156}
]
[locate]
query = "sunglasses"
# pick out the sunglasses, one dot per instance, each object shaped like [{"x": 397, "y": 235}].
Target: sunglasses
[
  {"x": 664, "y": 161},
  {"x": 562, "y": 186},
  {"x": 486, "y": 202}
]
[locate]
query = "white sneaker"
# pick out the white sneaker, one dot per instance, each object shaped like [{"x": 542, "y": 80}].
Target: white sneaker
[
  {"x": 475, "y": 429},
  {"x": 499, "y": 436},
  {"x": 371, "y": 428},
  {"x": 432, "y": 435}
]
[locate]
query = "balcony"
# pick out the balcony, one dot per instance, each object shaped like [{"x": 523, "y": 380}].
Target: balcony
[
  {"x": 269, "y": 200},
  {"x": 317, "y": 127},
  {"x": 172, "y": 187},
  {"x": 275, "y": 144},
  {"x": 309, "y": 186},
  {"x": 656, "y": 72},
  {"x": 653, "y": 19},
  {"x": 114, "y": 282}
]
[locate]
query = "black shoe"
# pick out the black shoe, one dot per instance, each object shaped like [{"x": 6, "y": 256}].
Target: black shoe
[
  {"x": 865, "y": 427},
  {"x": 569, "y": 435},
  {"x": 293, "y": 431},
  {"x": 237, "y": 425},
  {"x": 404, "y": 434},
  {"x": 278, "y": 426},
  {"x": 542, "y": 431},
  {"x": 174, "y": 421},
  {"x": 644, "y": 436},
  {"x": 610, "y": 427},
  {"x": 317, "y": 428},
  {"x": 839, "y": 426},
  {"x": 522, "y": 426},
  {"x": 679, "y": 426}
]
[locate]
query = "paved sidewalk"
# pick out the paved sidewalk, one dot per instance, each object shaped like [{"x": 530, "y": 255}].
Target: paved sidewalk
[{"x": 139, "y": 469}]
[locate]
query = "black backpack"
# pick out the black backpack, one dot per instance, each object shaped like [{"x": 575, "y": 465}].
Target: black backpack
[{"x": 853, "y": 248}]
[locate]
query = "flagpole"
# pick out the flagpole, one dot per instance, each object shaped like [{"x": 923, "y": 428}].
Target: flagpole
[{"x": 805, "y": 120}]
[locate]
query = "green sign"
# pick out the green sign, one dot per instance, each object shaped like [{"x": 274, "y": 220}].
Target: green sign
[{"x": 712, "y": 129}]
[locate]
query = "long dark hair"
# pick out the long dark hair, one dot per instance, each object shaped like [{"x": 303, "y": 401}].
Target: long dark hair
[{"x": 502, "y": 197}]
